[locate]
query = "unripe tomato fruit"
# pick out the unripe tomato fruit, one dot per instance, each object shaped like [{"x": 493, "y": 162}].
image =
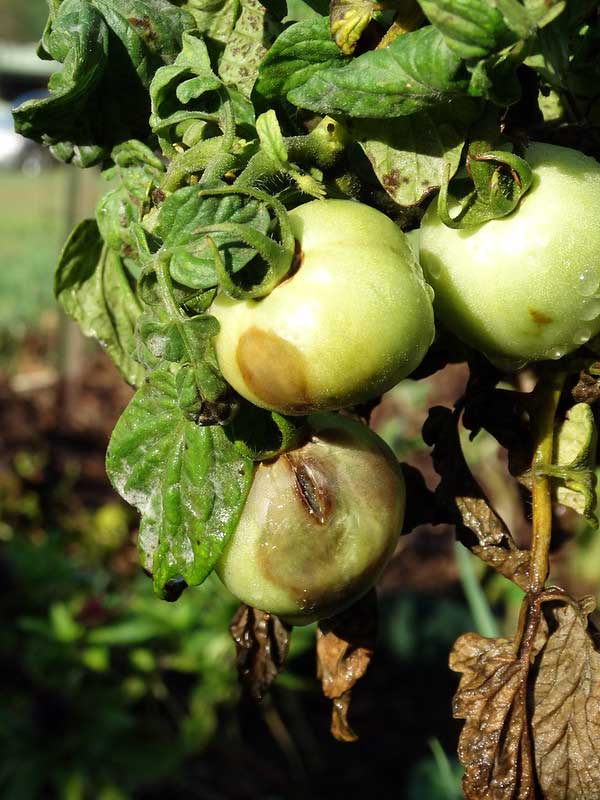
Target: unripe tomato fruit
[
  {"x": 354, "y": 319},
  {"x": 525, "y": 287},
  {"x": 319, "y": 524}
]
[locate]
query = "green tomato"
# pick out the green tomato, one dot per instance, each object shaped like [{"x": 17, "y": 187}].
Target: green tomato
[
  {"x": 319, "y": 525},
  {"x": 354, "y": 319},
  {"x": 525, "y": 287}
]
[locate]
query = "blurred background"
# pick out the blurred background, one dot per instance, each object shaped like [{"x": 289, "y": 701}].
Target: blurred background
[{"x": 112, "y": 694}]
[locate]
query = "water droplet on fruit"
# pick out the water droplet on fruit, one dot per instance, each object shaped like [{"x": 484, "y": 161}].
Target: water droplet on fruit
[
  {"x": 556, "y": 353},
  {"x": 591, "y": 310},
  {"x": 430, "y": 292},
  {"x": 589, "y": 282},
  {"x": 582, "y": 336}
]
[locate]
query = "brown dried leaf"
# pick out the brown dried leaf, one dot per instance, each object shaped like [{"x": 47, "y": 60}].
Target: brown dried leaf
[
  {"x": 494, "y": 745},
  {"x": 532, "y": 711},
  {"x": 345, "y": 646},
  {"x": 587, "y": 389},
  {"x": 262, "y": 641},
  {"x": 464, "y": 504},
  {"x": 566, "y": 718}
]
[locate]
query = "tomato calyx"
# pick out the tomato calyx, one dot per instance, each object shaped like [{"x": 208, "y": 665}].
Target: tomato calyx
[{"x": 500, "y": 179}]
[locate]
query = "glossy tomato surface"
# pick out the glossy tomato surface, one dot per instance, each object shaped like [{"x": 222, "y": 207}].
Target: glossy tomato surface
[
  {"x": 525, "y": 287},
  {"x": 354, "y": 318},
  {"x": 319, "y": 525}
]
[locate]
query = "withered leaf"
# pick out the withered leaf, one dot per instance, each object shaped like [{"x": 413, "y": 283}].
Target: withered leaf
[
  {"x": 262, "y": 642},
  {"x": 463, "y": 503},
  {"x": 566, "y": 717},
  {"x": 345, "y": 646},
  {"x": 531, "y": 708},
  {"x": 494, "y": 745},
  {"x": 587, "y": 388}
]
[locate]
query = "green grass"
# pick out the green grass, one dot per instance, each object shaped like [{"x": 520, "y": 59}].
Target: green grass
[{"x": 33, "y": 226}]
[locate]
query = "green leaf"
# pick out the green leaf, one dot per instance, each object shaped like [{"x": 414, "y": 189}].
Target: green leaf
[
  {"x": 298, "y": 10},
  {"x": 139, "y": 172},
  {"x": 495, "y": 78},
  {"x": 215, "y": 20},
  {"x": 110, "y": 51},
  {"x": 301, "y": 51},
  {"x": 79, "y": 37},
  {"x": 417, "y": 71},
  {"x": 543, "y": 12},
  {"x": 188, "y": 482},
  {"x": 166, "y": 341},
  {"x": 189, "y": 102},
  {"x": 184, "y": 212},
  {"x": 471, "y": 28},
  {"x": 254, "y": 32},
  {"x": 412, "y": 155},
  {"x": 187, "y": 340},
  {"x": 564, "y": 53},
  {"x": 348, "y": 19},
  {"x": 92, "y": 287}
]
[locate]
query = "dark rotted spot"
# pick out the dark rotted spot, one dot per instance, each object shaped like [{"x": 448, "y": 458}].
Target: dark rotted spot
[
  {"x": 311, "y": 487},
  {"x": 539, "y": 317},
  {"x": 391, "y": 180}
]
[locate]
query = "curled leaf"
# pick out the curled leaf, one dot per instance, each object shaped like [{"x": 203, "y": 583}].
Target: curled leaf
[
  {"x": 345, "y": 646},
  {"x": 262, "y": 641},
  {"x": 566, "y": 701},
  {"x": 348, "y": 19}
]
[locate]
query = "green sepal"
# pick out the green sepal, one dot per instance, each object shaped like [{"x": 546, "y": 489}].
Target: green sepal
[
  {"x": 500, "y": 180},
  {"x": 262, "y": 435}
]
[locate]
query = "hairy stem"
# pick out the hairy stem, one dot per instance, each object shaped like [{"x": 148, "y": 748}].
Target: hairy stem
[{"x": 548, "y": 394}]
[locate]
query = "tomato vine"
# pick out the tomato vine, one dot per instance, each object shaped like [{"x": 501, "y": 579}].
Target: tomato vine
[{"x": 243, "y": 139}]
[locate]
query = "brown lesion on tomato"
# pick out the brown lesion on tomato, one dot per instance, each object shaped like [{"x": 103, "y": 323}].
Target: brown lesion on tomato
[
  {"x": 311, "y": 487},
  {"x": 274, "y": 370},
  {"x": 306, "y": 559},
  {"x": 539, "y": 317}
]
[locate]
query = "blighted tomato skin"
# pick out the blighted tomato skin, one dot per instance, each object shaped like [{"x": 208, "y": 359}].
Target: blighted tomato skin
[
  {"x": 525, "y": 287},
  {"x": 354, "y": 319},
  {"x": 319, "y": 525}
]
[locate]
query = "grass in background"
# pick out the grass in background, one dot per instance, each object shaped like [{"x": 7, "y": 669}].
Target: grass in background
[{"x": 33, "y": 227}]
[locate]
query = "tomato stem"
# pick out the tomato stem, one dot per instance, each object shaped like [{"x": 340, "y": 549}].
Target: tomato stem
[{"x": 548, "y": 394}]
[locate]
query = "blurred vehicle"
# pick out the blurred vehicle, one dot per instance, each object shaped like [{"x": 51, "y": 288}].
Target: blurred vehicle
[{"x": 17, "y": 152}]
